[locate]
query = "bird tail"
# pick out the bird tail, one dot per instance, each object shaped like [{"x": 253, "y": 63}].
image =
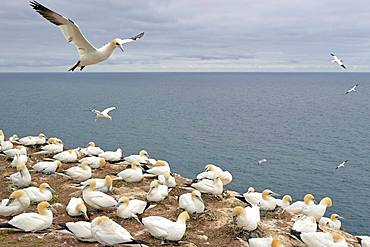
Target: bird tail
[
  {"x": 7, "y": 226},
  {"x": 296, "y": 234},
  {"x": 134, "y": 241},
  {"x": 241, "y": 198},
  {"x": 63, "y": 175}
]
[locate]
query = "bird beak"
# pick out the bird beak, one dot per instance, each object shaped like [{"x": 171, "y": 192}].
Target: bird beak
[
  {"x": 275, "y": 194},
  {"x": 340, "y": 217},
  {"x": 51, "y": 190},
  {"x": 118, "y": 204},
  {"x": 9, "y": 202},
  {"x": 52, "y": 209},
  {"x": 200, "y": 199},
  {"x": 121, "y": 47},
  {"x": 85, "y": 215}
]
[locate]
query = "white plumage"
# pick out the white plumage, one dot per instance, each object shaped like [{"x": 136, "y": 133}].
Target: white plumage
[
  {"x": 42, "y": 193},
  {"x": 17, "y": 203},
  {"x": 130, "y": 208},
  {"x": 97, "y": 199},
  {"x": 94, "y": 162},
  {"x": 157, "y": 192},
  {"x": 323, "y": 239},
  {"x": 133, "y": 174},
  {"x": 192, "y": 202},
  {"x": 81, "y": 230},
  {"x": 47, "y": 167},
  {"x": 22, "y": 178},
  {"x": 112, "y": 156},
  {"x": 76, "y": 207}
]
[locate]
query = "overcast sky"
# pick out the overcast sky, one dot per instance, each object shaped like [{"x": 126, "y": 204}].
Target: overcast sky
[{"x": 189, "y": 35}]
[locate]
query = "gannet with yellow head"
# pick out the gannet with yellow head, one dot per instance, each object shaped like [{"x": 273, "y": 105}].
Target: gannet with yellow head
[
  {"x": 94, "y": 162},
  {"x": 22, "y": 178},
  {"x": 333, "y": 222},
  {"x": 247, "y": 218},
  {"x": 127, "y": 208},
  {"x": 318, "y": 211},
  {"x": 316, "y": 239},
  {"x": 79, "y": 173},
  {"x": 192, "y": 202},
  {"x": 97, "y": 199},
  {"x": 133, "y": 174},
  {"x": 297, "y": 207},
  {"x": 17, "y": 203},
  {"x": 102, "y": 184},
  {"x": 47, "y": 167},
  {"x": 167, "y": 179},
  {"x": 76, "y": 207},
  {"x": 42, "y": 193}
]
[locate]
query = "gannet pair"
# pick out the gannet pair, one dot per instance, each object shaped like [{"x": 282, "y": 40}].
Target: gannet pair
[
  {"x": 22, "y": 178},
  {"x": 297, "y": 207},
  {"x": 133, "y": 174},
  {"x": 112, "y": 156},
  {"x": 17, "y": 203},
  {"x": 209, "y": 186},
  {"x": 92, "y": 149},
  {"x": 247, "y": 218},
  {"x": 323, "y": 239},
  {"x": 264, "y": 242},
  {"x": 32, "y": 222},
  {"x": 192, "y": 202},
  {"x": 88, "y": 54},
  {"x": 264, "y": 200},
  {"x": 42, "y": 193},
  {"x": 333, "y": 222},
  {"x": 337, "y": 61},
  {"x": 47, "y": 167},
  {"x": 317, "y": 211},
  {"x": 94, "y": 162},
  {"x": 97, "y": 199},
  {"x": 76, "y": 207},
  {"x": 352, "y": 89},
  {"x": 157, "y": 192},
  {"x": 101, "y": 184},
  {"x": 127, "y": 208},
  {"x": 33, "y": 140},
  {"x": 167, "y": 179},
  {"x": 79, "y": 173},
  {"x": 210, "y": 172}
]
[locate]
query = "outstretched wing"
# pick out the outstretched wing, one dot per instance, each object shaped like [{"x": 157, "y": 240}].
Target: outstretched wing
[
  {"x": 106, "y": 111},
  {"x": 128, "y": 40},
  {"x": 69, "y": 29}
]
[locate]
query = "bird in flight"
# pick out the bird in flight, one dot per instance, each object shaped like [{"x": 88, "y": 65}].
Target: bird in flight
[
  {"x": 260, "y": 162},
  {"x": 353, "y": 89},
  {"x": 337, "y": 61},
  {"x": 342, "y": 164},
  {"x": 88, "y": 54},
  {"x": 103, "y": 114}
]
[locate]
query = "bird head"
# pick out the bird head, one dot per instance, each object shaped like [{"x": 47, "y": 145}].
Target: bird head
[
  {"x": 118, "y": 43},
  {"x": 46, "y": 186},
  {"x": 309, "y": 198},
  {"x": 91, "y": 144},
  {"x": 288, "y": 199},
  {"x": 183, "y": 217},
  {"x": 41, "y": 135},
  {"x": 144, "y": 153},
  {"x": 335, "y": 217},
  {"x": 15, "y": 195},
  {"x": 100, "y": 220},
  {"x": 196, "y": 195},
  {"x": 123, "y": 200},
  {"x": 268, "y": 193},
  {"x": 108, "y": 180},
  {"x": 84, "y": 165},
  {"x": 238, "y": 210},
  {"x": 102, "y": 163},
  {"x": 83, "y": 210},
  {"x": 43, "y": 207},
  {"x": 21, "y": 166},
  {"x": 276, "y": 243},
  {"x": 327, "y": 202}
]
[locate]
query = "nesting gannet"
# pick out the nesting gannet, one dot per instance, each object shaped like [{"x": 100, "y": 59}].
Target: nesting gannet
[
  {"x": 337, "y": 61},
  {"x": 76, "y": 207},
  {"x": 47, "y": 167},
  {"x": 94, "y": 162},
  {"x": 260, "y": 162},
  {"x": 304, "y": 224},
  {"x": 130, "y": 208},
  {"x": 157, "y": 192},
  {"x": 192, "y": 202},
  {"x": 6, "y": 145},
  {"x": 17, "y": 203},
  {"x": 142, "y": 158},
  {"x": 92, "y": 149},
  {"x": 342, "y": 164},
  {"x": 318, "y": 211},
  {"x": 79, "y": 173},
  {"x": 211, "y": 170},
  {"x": 32, "y": 222},
  {"x": 22, "y": 178},
  {"x": 103, "y": 114},
  {"x": 264, "y": 242},
  {"x": 43, "y": 193},
  {"x": 364, "y": 241},
  {"x": 160, "y": 167},
  {"x": 323, "y": 239},
  {"x": 88, "y": 54},
  {"x": 352, "y": 89},
  {"x": 17, "y": 150},
  {"x": 97, "y": 199},
  {"x": 53, "y": 148},
  {"x": 27, "y": 141},
  {"x": 81, "y": 230},
  {"x": 285, "y": 202},
  {"x": 297, "y": 207},
  {"x": 108, "y": 233},
  {"x": 165, "y": 229},
  {"x": 54, "y": 140},
  {"x": 332, "y": 222},
  {"x": 102, "y": 184},
  {"x": 208, "y": 186},
  {"x": 19, "y": 158},
  {"x": 167, "y": 179},
  {"x": 264, "y": 199},
  {"x": 133, "y": 174},
  {"x": 112, "y": 156},
  {"x": 14, "y": 139},
  {"x": 247, "y": 218},
  {"x": 68, "y": 156}
]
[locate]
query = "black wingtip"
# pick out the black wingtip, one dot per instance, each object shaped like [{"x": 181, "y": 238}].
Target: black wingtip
[
  {"x": 6, "y": 225},
  {"x": 134, "y": 241},
  {"x": 296, "y": 234},
  {"x": 344, "y": 67},
  {"x": 138, "y": 36},
  {"x": 241, "y": 198},
  {"x": 332, "y": 54}
]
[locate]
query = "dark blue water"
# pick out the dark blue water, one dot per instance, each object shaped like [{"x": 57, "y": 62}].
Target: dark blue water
[{"x": 302, "y": 123}]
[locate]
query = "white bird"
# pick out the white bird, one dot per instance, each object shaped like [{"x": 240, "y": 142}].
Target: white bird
[
  {"x": 79, "y": 173},
  {"x": 17, "y": 203},
  {"x": 92, "y": 149},
  {"x": 157, "y": 192},
  {"x": 14, "y": 138},
  {"x": 333, "y": 222},
  {"x": 19, "y": 158},
  {"x": 17, "y": 150},
  {"x": 167, "y": 179},
  {"x": 103, "y": 114},
  {"x": 317, "y": 211},
  {"x": 342, "y": 164},
  {"x": 260, "y": 162},
  {"x": 53, "y": 148},
  {"x": 22, "y": 178},
  {"x": 247, "y": 218},
  {"x": 364, "y": 241},
  {"x": 337, "y": 61},
  {"x": 264, "y": 242},
  {"x": 2, "y": 136},
  {"x": 297, "y": 207},
  {"x": 192, "y": 202},
  {"x": 304, "y": 224},
  {"x": 130, "y": 208},
  {"x": 54, "y": 140},
  {"x": 40, "y": 139},
  {"x": 32, "y": 222},
  {"x": 102, "y": 184},
  {"x": 88, "y": 54},
  {"x": 27, "y": 141},
  {"x": 81, "y": 230},
  {"x": 42, "y": 193},
  {"x": 165, "y": 229},
  {"x": 211, "y": 170},
  {"x": 47, "y": 167},
  {"x": 68, "y": 156},
  {"x": 76, "y": 207},
  {"x": 5, "y": 145},
  {"x": 94, "y": 162},
  {"x": 285, "y": 202},
  {"x": 112, "y": 156},
  {"x": 208, "y": 186},
  {"x": 264, "y": 199},
  {"x": 133, "y": 174},
  {"x": 159, "y": 168},
  {"x": 108, "y": 233},
  {"x": 323, "y": 239},
  {"x": 97, "y": 199},
  {"x": 142, "y": 158},
  {"x": 352, "y": 89}
]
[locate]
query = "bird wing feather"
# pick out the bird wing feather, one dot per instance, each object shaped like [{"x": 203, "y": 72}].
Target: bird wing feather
[{"x": 106, "y": 111}]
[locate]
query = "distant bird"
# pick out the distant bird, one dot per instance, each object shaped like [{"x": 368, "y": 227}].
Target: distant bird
[
  {"x": 353, "y": 89},
  {"x": 337, "y": 61},
  {"x": 103, "y": 114},
  {"x": 342, "y": 164},
  {"x": 88, "y": 54},
  {"x": 260, "y": 162}
]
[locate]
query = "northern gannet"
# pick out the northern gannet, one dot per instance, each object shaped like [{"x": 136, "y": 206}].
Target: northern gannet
[
  {"x": 333, "y": 222},
  {"x": 133, "y": 174},
  {"x": 103, "y": 114},
  {"x": 112, "y": 156},
  {"x": 43, "y": 193},
  {"x": 264, "y": 199},
  {"x": 81, "y": 230},
  {"x": 97, "y": 199},
  {"x": 323, "y": 239},
  {"x": 127, "y": 208},
  {"x": 68, "y": 156},
  {"x": 318, "y": 211},
  {"x": 92, "y": 149},
  {"x": 14, "y": 139},
  {"x": 210, "y": 186},
  {"x": 352, "y": 89},
  {"x": 79, "y": 173},
  {"x": 167, "y": 179},
  {"x": 285, "y": 202},
  {"x": 159, "y": 168},
  {"x": 94, "y": 162},
  {"x": 192, "y": 202},
  {"x": 342, "y": 164},
  {"x": 22, "y": 178},
  {"x": 297, "y": 207},
  {"x": 304, "y": 224},
  {"x": 247, "y": 218},
  {"x": 264, "y": 242},
  {"x": 364, "y": 241},
  {"x": 88, "y": 54},
  {"x": 47, "y": 167},
  {"x": 17, "y": 203},
  {"x": 33, "y": 140},
  {"x": 32, "y": 222},
  {"x": 19, "y": 158},
  {"x": 211, "y": 170},
  {"x": 53, "y": 148},
  {"x": 102, "y": 184},
  {"x": 108, "y": 233},
  {"x": 157, "y": 192},
  {"x": 260, "y": 162},
  {"x": 165, "y": 229},
  {"x": 6, "y": 145},
  {"x": 54, "y": 140},
  {"x": 142, "y": 157},
  {"x": 17, "y": 150},
  {"x": 337, "y": 61},
  {"x": 76, "y": 207}
]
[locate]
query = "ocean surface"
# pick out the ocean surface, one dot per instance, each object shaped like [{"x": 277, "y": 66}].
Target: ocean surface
[{"x": 302, "y": 123}]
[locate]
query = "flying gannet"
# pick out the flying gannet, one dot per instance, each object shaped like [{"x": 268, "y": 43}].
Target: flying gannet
[
  {"x": 352, "y": 89},
  {"x": 88, "y": 54},
  {"x": 337, "y": 61},
  {"x": 342, "y": 164}
]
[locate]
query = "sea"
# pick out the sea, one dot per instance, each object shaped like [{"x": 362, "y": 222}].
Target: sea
[{"x": 303, "y": 124}]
